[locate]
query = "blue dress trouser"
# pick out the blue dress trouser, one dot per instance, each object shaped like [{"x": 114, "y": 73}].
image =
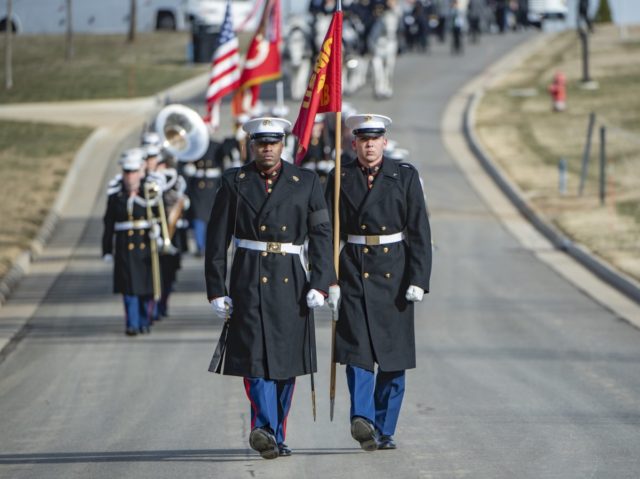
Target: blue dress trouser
[
  {"x": 270, "y": 403},
  {"x": 200, "y": 234},
  {"x": 137, "y": 310},
  {"x": 376, "y": 397}
]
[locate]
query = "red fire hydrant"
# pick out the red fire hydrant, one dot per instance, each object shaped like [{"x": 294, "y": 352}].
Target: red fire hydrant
[{"x": 558, "y": 92}]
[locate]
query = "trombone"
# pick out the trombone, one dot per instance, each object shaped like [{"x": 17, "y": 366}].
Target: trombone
[{"x": 151, "y": 189}]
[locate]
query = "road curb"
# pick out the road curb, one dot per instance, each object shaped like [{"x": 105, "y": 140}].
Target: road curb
[
  {"x": 22, "y": 263},
  {"x": 619, "y": 280}
]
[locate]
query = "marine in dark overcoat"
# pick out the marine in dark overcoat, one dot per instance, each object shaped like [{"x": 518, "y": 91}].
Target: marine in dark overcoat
[
  {"x": 268, "y": 327},
  {"x": 376, "y": 322}
]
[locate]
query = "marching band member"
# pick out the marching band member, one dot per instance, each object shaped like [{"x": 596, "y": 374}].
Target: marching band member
[{"x": 126, "y": 220}]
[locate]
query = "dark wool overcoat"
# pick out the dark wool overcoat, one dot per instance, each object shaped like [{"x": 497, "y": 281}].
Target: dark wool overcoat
[
  {"x": 131, "y": 251},
  {"x": 201, "y": 188},
  {"x": 269, "y": 334},
  {"x": 376, "y": 322}
]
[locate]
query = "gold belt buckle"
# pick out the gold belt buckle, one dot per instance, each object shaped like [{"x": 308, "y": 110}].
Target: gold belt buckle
[
  {"x": 373, "y": 240},
  {"x": 273, "y": 247}
]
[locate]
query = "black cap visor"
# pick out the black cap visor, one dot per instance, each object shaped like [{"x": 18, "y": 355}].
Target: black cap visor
[
  {"x": 369, "y": 132},
  {"x": 267, "y": 137}
]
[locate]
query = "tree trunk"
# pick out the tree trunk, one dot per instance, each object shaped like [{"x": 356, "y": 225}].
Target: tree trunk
[
  {"x": 8, "y": 78},
  {"x": 132, "y": 22},
  {"x": 69, "y": 40}
]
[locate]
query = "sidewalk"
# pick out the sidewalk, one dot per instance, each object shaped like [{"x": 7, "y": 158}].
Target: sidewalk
[{"x": 117, "y": 124}]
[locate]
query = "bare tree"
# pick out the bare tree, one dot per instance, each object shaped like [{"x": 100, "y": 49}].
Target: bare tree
[
  {"x": 69, "y": 51},
  {"x": 8, "y": 79},
  {"x": 132, "y": 22}
]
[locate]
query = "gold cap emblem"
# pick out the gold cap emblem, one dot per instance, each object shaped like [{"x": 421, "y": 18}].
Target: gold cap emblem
[
  {"x": 368, "y": 118},
  {"x": 266, "y": 122}
]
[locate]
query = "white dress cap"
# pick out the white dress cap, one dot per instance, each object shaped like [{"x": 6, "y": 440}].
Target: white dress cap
[
  {"x": 368, "y": 124},
  {"x": 151, "y": 138},
  {"x": 267, "y": 129},
  {"x": 151, "y": 150},
  {"x": 132, "y": 159}
]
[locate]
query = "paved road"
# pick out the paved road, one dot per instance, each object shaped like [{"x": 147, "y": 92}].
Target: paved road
[{"x": 520, "y": 374}]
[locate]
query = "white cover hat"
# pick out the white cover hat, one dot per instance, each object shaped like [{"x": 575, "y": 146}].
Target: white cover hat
[
  {"x": 267, "y": 129},
  {"x": 151, "y": 138},
  {"x": 132, "y": 159},
  {"x": 368, "y": 124}
]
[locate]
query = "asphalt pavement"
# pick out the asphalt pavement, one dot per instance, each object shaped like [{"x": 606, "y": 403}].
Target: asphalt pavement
[{"x": 521, "y": 373}]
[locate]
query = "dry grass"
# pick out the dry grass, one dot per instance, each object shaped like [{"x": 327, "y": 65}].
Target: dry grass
[
  {"x": 34, "y": 159},
  {"x": 104, "y": 66},
  {"x": 528, "y": 140}
]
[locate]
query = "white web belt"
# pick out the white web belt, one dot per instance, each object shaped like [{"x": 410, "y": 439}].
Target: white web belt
[{"x": 373, "y": 240}]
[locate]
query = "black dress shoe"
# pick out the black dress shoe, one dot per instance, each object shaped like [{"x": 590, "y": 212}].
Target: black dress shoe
[
  {"x": 264, "y": 442},
  {"x": 283, "y": 450},
  {"x": 364, "y": 432},
  {"x": 131, "y": 332},
  {"x": 386, "y": 442}
]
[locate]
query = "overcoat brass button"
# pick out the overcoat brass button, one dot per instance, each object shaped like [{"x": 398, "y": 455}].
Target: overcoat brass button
[
  {"x": 263, "y": 228},
  {"x": 143, "y": 246},
  {"x": 383, "y": 228},
  {"x": 265, "y": 279},
  {"x": 387, "y": 275},
  {"x": 366, "y": 275},
  {"x": 201, "y": 184},
  {"x": 131, "y": 246},
  {"x": 385, "y": 249},
  {"x": 130, "y": 233},
  {"x": 365, "y": 250},
  {"x": 284, "y": 228},
  {"x": 363, "y": 227},
  {"x": 241, "y": 175},
  {"x": 285, "y": 280},
  {"x": 264, "y": 253},
  {"x": 269, "y": 190},
  {"x": 141, "y": 232}
]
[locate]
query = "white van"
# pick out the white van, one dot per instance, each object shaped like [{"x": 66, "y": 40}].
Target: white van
[
  {"x": 540, "y": 10},
  {"x": 93, "y": 16},
  {"x": 246, "y": 13}
]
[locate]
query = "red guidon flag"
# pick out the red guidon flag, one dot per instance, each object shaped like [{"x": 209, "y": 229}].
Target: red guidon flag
[
  {"x": 262, "y": 63},
  {"x": 324, "y": 91}
]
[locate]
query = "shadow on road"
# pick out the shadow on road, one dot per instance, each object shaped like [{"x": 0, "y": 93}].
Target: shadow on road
[{"x": 185, "y": 455}]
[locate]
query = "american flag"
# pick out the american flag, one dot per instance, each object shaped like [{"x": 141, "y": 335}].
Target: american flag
[{"x": 225, "y": 68}]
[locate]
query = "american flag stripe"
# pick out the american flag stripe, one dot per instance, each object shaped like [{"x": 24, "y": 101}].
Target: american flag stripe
[{"x": 225, "y": 68}]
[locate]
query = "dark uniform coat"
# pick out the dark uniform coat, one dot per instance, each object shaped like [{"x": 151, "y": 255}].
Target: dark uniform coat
[
  {"x": 202, "y": 186},
  {"x": 375, "y": 320},
  {"x": 268, "y": 330},
  {"x": 132, "y": 256}
]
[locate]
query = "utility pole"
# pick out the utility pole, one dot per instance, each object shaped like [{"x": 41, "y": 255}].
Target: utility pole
[
  {"x": 69, "y": 52},
  {"x": 8, "y": 78},
  {"x": 132, "y": 22}
]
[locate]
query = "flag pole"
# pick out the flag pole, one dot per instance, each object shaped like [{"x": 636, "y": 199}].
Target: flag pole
[{"x": 336, "y": 242}]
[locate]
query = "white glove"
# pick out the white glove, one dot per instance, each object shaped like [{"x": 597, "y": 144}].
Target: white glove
[
  {"x": 108, "y": 258},
  {"x": 414, "y": 293},
  {"x": 334, "y": 297},
  {"x": 222, "y": 307},
  {"x": 314, "y": 299}
]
